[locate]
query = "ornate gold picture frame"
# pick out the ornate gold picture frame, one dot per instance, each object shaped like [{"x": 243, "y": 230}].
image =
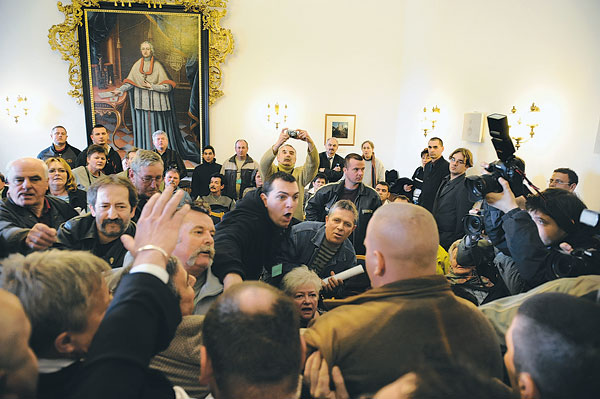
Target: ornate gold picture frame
[
  {"x": 141, "y": 66},
  {"x": 63, "y": 37}
]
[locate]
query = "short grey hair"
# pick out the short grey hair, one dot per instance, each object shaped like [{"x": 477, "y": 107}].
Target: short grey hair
[
  {"x": 298, "y": 277},
  {"x": 286, "y": 145},
  {"x": 11, "y": 165},
  {"x": 144, "y": 158},
  {"x": 159, "y": 133},
  {"x": 345, "y": 205},
  {"x": 56, "y": 288}
]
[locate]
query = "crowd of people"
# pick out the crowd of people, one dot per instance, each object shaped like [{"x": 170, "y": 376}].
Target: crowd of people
[{"x": 269, "y": 279}]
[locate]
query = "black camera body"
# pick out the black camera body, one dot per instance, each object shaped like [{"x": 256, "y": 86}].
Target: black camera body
[
  {"x": 292, "y": 133},
  {"x": 473, "y": 225},
  {"x": 507, "y": 166},
  {"x": 582, "y": 260}
]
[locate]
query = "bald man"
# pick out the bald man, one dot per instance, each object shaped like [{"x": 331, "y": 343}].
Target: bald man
[
  {"x": 18, "y": 364},
  {"x": 409, "y": 317},
  {"x": 251, "y": 344}
]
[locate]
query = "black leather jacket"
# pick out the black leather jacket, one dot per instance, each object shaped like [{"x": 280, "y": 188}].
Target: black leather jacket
[
  {"x": 80, "y": 234},
  {"x": 16, "y": 221}
]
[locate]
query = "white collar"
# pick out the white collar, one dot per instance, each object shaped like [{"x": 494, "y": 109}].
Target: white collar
[{"x": 53, "y": 365}]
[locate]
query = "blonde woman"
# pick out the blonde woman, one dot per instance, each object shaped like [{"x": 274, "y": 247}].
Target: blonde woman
[{"x": 61, "y": 184}]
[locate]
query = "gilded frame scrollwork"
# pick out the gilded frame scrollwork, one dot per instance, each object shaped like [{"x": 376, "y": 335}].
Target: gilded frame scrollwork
[{"x": 64, "y": 37}]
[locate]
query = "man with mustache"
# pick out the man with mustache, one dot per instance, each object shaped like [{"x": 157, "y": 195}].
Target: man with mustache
[
  {"x": 196, "y": 251},
  {"x": 216, "y": 199},
  {"x": 112, "y": 201},
  {"x": 29, "y": 218}
]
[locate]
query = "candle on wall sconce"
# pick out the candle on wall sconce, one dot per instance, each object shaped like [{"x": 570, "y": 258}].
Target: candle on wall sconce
[
  {"x": 429, "y": 119},
  {"x": 275, "y": 116},
  {"x": 516, "y": 122},
  {"x": 16, "y": 107}
]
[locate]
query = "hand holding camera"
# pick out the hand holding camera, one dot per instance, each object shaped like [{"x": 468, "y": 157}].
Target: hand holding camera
[{"x": 505, "y": 201}]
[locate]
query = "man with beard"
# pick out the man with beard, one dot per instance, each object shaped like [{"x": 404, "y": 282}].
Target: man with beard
[
  {"x": 196, "y": 251},
  {"x": 112, "y": 203}
]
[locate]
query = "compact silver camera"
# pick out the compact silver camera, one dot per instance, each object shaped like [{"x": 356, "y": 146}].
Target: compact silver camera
[{"x": 292, "y": 133}]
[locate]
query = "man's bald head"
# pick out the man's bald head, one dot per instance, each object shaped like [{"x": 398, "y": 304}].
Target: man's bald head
[
  {"x": 252, "y": 342},
  {"x": 402, "y": 242},
  {"x": 18, "y": 364}
]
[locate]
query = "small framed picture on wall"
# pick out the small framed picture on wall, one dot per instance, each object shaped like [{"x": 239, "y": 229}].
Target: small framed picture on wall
[{"x": 340, "y": 127}]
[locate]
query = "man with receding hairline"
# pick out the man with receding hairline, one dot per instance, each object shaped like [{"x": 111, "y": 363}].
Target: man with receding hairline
[
  {"x": 286, "y": 162},
  {"x": 251, "y": 344},
  {"x": 409, "y": 317},
  {"x": 330, "y": 163},
  {"x": 28, "y": 217},
  {"x": 238, "y": 170}
]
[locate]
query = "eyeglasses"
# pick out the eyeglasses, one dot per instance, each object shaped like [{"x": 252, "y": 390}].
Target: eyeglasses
[
  {"x": 148, "y": 179},
  {"x": 557, "y": 181},
  {"x": 458, "y": 161}
]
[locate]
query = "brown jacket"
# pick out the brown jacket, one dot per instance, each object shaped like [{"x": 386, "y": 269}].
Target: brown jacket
[{"x": 380, "y": 335}]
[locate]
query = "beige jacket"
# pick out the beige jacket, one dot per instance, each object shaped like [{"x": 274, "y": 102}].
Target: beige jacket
[{"x": 303, "y": 174}]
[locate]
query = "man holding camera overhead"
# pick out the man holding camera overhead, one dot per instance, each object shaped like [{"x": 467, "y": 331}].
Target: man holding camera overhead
[{"x": 286, "y": 162}]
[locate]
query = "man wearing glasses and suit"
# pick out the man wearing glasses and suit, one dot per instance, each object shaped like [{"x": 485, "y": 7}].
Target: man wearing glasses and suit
[{"x": 452, "y": 201}]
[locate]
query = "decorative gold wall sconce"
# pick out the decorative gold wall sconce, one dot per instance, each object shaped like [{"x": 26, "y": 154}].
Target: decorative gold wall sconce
[
  {"x": 516, "y": 122},
  {"x": 16, "y": 107},
  {"x": 429, "y": 119},
  {"x": 275, "y": 116}
]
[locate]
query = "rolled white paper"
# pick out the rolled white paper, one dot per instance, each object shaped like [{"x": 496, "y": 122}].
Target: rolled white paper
[{"x": 354, "y": 271}]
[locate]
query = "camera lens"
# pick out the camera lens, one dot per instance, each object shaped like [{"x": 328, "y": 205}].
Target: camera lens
[
  {"x": 479, "y": 186},
  {"x": 473, "y": 224}
]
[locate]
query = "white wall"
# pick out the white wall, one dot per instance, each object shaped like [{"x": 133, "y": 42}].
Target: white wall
[{"x": 381, "y": 60}]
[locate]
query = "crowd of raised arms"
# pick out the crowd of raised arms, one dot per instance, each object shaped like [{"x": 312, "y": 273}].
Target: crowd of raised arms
[{"x": 124, "y": 278}]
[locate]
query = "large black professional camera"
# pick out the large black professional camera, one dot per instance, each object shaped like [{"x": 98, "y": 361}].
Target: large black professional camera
[
  {"x": 581, "y": 260},
  {"x": 507, "y": 166}
]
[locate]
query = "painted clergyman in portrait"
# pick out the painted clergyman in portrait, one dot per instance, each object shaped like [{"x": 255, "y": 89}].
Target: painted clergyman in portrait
[{"x": 144, "y": 75}]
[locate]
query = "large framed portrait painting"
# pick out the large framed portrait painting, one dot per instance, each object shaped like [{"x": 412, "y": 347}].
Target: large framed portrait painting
[{"x": 145, "y": 70}]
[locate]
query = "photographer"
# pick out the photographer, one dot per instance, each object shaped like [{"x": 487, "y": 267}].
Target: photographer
[
  {"x": 541, "y": 238},
  {"x": 286, "y": 162}
]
